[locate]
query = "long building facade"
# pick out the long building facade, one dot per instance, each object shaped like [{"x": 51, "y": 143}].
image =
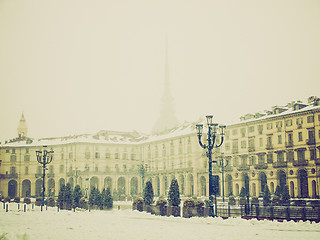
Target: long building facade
[{"x": 277, "y": 147}]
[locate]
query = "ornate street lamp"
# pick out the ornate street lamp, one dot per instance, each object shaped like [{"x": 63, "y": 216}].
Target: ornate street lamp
[
  {"x": 211, "y": 143},
  {"x": 44, "y": 159}
]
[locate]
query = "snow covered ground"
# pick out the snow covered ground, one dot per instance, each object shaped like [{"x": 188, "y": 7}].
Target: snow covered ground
[{"x": 128, "y": 224}]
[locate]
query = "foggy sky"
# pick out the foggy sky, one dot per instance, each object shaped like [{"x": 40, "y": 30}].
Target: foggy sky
[{"x": 76, "y": 66}]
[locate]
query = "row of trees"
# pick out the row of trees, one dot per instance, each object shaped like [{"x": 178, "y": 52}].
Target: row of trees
[
  {"x": 101, "y": 200},
  {"x": 281, "y": 195},
  {"x": 69, "y": 198},
  {"x": 173, "y": 195}
]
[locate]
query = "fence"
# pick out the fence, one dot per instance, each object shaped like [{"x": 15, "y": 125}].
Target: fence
[{"x": 280, "y": 213}]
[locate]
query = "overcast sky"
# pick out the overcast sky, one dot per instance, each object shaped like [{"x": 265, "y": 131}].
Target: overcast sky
[{"x": 75, "y": 66}]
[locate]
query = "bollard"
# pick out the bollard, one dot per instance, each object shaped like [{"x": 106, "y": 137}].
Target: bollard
[
  {"x": 32, "y": 206},
  {"x": 4, "y": 205},
  {"x": 7, "y": 206},
  {"x": 41, "y": 207},
  {"x": 58, "y": 208},
  {"x": 24, "y": 207},
  {"x": 18, "y": 206},
  {"x": 46, "y": 207},
  {"x": 119, "y": 207}
]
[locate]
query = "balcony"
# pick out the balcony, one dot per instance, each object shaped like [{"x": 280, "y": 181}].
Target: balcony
[
  {"x": 279, "y": 164},
  {"x": 261, "y": 166},
  {"x": 311, "y": 141},
  {"x": 289, "y": 144},
  {"x": 70, "y": 173},
  {"x": 300, "y": 163},
  {"x": 269, "y": 146},
  {"x": 251, "y": 149},
  {"x": 50, "y": 175},
  {"x": 8, "y": 176},
  {"x": 37, "y": 175},
  {"x": 243, "y": 168}
]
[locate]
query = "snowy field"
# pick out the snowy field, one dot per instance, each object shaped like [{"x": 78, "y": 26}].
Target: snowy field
[{"x": 128, "y": 224}]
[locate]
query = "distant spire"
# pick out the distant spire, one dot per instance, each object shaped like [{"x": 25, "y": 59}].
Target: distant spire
[
  {"x": 167, "y": 119},
  {"x": 22, "y": 127}
]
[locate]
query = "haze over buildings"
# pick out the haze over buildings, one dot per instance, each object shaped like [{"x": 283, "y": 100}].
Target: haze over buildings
[{"x": 77, "y": 67}]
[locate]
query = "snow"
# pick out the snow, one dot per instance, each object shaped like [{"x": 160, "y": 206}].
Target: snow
[{"x": 128, "y": 224}]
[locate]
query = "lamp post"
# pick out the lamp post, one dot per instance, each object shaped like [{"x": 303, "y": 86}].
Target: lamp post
[
  {"x": 211, "y": 143},
  {"x": 44, "y": 159}
]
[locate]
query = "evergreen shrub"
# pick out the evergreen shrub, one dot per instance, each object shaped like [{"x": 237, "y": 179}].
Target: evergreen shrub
[
  {"x": 231, "y": 201},
  {"x": 27, "y": 200},
  {"x": 38, "y": 201},
  {"x": 51, "y": 202},
  {"x": 83, "y": 203},
  {"x": 174, "y": 195},
  {"x": 138, "y": 204},
  {"x": 148, "y": 194}
]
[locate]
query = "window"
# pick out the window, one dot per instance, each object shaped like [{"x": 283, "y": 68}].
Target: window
[
  {"x": 280, "y": 157},
  {"x": 290, "y": 140},
  {"x": 39, "y": 169},
  {"x": 270, "y": 157},
  {"x": 235, "y": 147},
  {"x": 260, "y": 142},
  {"x": 243, "y": 132},
  {"x": 13, "y": 158},
  {"x": 62, "y": 156},
  {"x": 290, "y": 156},
  {"x": 107, "y": 155},
  {"x": 300, "y": 136},
  {"x": 124, "y": 156},
  {"x": 235, "y": 162},
  {"x": 180, "y": 146},
  {"x": 234, "y": 131},
  {"x": 27, "y": 150},
  {"x": 116, "y": 155},
  {"x": 87, "y": 155},
  {"x": 227, "y": 146},
  {"x": 133, "y": 156},
  {"x": 261, "y": 158},
  {"x": 269, "y": 140},
  {"x": 13, "y": 170},
  {"x": 70, "y": 155},
  {"x": 289, "y": 122},
  {"x": 97, "y": 155},
  {"x": 243, "y": 144},
  {"x": 27, "y": 158},
  {"x": 13, "y": 150},
  {"x": 189, "y": 146},
  {"x": 260, "y": 129},
  {"x": 164, "y": 151},
  {"x": 61, "y": 169},
  {"x": 299, "y": 121},
  {"x": 310, "y": 119},
  {"x": 7, "y": 150},
  {"x": 312, "y": 154},
  {"x": 269, "y": 126},
  {"x": 171, "y": 148},
  {"x": 156, "y": 153},
  {"x": 251, "y": 129},
  {"x": 301, "y": 156},
  {"x": 26, "y": 170},
  {"x": 279, "y": 139}
]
